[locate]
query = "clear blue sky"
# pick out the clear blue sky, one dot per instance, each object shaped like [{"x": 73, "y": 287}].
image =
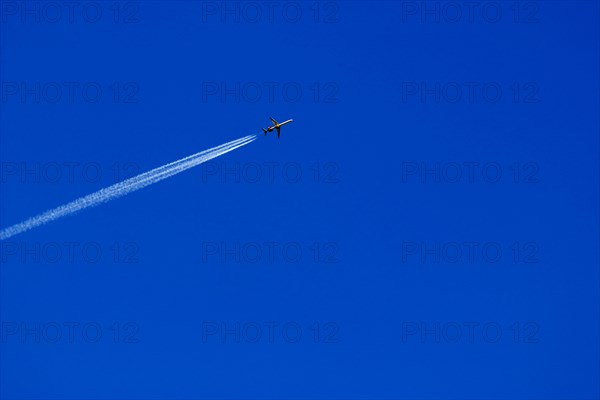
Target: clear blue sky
[{"x": 427, "y": 227}]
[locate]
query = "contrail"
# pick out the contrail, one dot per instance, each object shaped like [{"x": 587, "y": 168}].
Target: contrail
[{"x": 125, "y": 187}]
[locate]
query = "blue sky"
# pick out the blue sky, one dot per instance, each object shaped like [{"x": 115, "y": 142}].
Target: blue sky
[{"x": 427, "y": 227}]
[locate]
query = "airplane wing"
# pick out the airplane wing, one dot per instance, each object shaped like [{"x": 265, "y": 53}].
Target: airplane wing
[
  {"x": 275, "y": 122},
  {"x": 278, "y": 132}
]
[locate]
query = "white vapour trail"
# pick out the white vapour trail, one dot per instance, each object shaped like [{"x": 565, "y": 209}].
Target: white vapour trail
[{"x": 125, "y": 187}]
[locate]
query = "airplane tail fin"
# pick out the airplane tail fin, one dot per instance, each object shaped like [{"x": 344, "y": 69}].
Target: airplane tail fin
[{"x": 265, "y": 131}]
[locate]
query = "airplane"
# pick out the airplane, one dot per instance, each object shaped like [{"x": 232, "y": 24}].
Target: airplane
[{"x": 276, "y": 126}]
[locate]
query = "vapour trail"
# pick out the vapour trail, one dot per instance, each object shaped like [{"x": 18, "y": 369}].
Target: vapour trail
[{"x": 125, "y": 187}]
